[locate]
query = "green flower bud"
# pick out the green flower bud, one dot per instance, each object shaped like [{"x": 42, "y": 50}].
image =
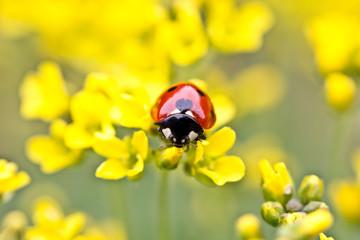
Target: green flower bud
[
  {"x": 271, "y": 212},
  {"x": 311, "y": 189},
  {"x": 289, "y": 218},
  {"x": 314, "y": 205}
]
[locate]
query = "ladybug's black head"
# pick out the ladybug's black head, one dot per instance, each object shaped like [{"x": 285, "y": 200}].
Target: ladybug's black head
[{"x": 181, "y": 129}]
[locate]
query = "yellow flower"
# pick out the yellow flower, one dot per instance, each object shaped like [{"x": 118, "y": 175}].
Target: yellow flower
[
  {"x": 134, "y": 108},
  {"x": 232, "y": 29},
  {"x": 51, "y": 223},
  {"x": 125, "y": 158},
  {"x": 334, "y": 55},
  {"x": 90, "y": 112},
  {"x": 340, "y": 90},
  {"x": 209, "y": 164},
  {"x": 276, "y": 185},
  {"x": 184, "y": 37},
  {"x": 43, "y": 94},
  {"x": 323, "y": 237},
  {"x": 346, "y": 197},
  {"x": 50, "y": 152},
  {"x": 10, "y": 178},
  {"x": 248, "y": 227}
]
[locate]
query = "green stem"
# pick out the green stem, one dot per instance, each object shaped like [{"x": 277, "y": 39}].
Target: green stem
[
  {"x": 338, "y": 159},
  {"x": 118, "y": 208},
  {"x": 164, "y": 223}
]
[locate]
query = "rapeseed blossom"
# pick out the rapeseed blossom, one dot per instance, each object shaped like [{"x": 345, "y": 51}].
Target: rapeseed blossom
[
  {"x": 125, "y": 158},
  {"x": 49, "y": 222},
  {"x": 11, "y": 179},
  {"x": 209, "y": 164},
  {"x": 323, "y": 237},
  {"x": 51, "y": 152},
  {"x": 44, "y": 93},
  {"x": 280, "y": 209},
  {"x": 276, "y": 185}
]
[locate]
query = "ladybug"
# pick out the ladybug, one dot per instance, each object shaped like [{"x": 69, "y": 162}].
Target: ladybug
[{"x": 182, "y": 112}]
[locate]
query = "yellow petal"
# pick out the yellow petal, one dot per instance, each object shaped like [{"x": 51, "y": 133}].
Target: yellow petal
[
  {"x": 220, "y": 142},
  {"x": 43, "y": 93},
  {"x": 224, "y": 109},
  {"x": 47, "y": 210},
  {"x": 137, "y": 168},
  {"x": 110, "y": 146},
  {"x": 15, "y": 182},
  {"x": 112, "y": 169},
  {"x": 135, "y": 109},
  {"x": 229, "y": 168},
  {"x": 57, "y": 128},
  {"x": 51, "y": 153},
  {"x": 74, "y": 223},
  {"x": 140, "y": 142},
  {"x": 77, "y": 136},
  {"x": 90, "y": 108}
]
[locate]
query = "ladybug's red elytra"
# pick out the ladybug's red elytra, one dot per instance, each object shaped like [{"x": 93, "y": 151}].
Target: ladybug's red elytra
[{"x": 182, "y": 112}]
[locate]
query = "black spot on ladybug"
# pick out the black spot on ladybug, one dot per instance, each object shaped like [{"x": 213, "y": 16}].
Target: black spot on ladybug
[
  {"x": 212, "y": 113},
  {"x": 200, "y": 92},
  {"x": 183, "y": 105},
  {"x": 172, "y": 89}
]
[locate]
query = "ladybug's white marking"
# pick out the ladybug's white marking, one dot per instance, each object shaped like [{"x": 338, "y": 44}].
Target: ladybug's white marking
[
  {"x": 174, "y": 139},
  {"x": 190, "y": 114},
  {"x": 175, "y": 111},
  {"x": 183, "y": 141},
  {"x": 166, "y": 132},
  {"x": 193, "y": 135}
]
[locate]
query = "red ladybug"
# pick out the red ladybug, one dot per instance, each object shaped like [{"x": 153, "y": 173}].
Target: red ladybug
[{"x": 182, "y": 112}]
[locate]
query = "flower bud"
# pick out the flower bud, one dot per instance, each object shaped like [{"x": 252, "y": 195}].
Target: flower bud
[
  {"x": 169, "y": 158},
  {"x": 314, "y": 205},
  {"x": 248, "y": 227},
  {"x": 277, "y": 184},
  {"x": 311, "y": 189},
  {"x": 271, "y": 212},
  {"x": 289, "y": 218},
  {"x": 293, "y": 205}
]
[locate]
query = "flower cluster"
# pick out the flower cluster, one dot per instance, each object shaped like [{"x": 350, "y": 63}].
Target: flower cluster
[
  {"x": 180, "y": 31},
  {"x": 337, "y": 58},
  {"x": 95, "y": 111},
  {"x": 297, "y": 220},
  {"x": 11, "y": 179},
  {"x": 50, "y": 222}
]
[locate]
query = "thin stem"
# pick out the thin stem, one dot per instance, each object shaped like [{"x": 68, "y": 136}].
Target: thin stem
[
  {"x": 164, "y": 223},
  {"x": 339, "y": 142}
]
